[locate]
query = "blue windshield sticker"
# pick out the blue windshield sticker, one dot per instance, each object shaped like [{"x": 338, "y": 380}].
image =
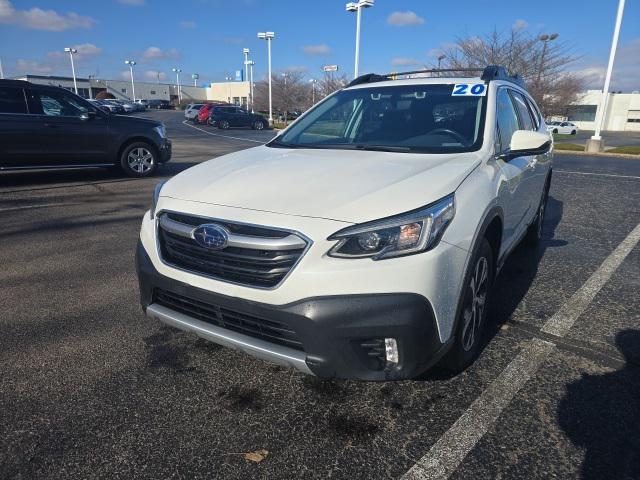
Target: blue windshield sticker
[{"x": 469, "y": 89}]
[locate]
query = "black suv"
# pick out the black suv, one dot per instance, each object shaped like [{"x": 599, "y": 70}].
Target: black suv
[
  {"x": 50, "y": 127},
  {"x": 230, "y": 116}
]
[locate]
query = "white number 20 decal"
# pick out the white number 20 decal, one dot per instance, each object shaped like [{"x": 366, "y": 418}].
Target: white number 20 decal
[{"x": 469, "y": 89}]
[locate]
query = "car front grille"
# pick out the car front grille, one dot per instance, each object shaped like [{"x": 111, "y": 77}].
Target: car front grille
[
  {"x": 250, "y": 325},
  {"x": 256, "y": 256}
]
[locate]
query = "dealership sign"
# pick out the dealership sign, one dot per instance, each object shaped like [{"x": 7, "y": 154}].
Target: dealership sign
[{"x": 330, "y": 68}]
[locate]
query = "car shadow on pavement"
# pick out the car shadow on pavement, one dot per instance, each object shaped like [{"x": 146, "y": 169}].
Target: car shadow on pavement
[
  {"x": 601, "y": 415},
  {"x": 520, "y": 270}
]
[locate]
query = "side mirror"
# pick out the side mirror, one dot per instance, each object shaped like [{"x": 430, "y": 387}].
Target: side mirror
[
  {"x": 525, "y": 143},
  {"x": 90, "y": 115}
]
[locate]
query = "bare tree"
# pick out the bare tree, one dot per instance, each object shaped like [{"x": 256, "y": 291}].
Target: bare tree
[
  {"x": 330, "y": 83},
  {"x": 290, "y": 92},
  {"x": 542, "y": 64}
]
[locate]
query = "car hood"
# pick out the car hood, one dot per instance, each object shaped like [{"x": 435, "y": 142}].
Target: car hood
[
  {"x": 129, "y": 120},
  {"x": 345, "y": 185}
]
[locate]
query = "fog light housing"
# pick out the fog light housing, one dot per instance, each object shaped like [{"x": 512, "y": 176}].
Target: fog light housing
[{"x": 391, "y": 350}]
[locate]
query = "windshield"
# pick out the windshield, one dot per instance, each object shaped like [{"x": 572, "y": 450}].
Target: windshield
[{"x": 404, "y": 118}]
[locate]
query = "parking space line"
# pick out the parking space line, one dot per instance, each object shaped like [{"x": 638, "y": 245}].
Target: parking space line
[
  {"x": 451, "y": 448},
  {"x": 446, "y": 455},
  {"x": 595, "y": 174},
  {"x": 560, "y": 323},
  {"x": 223, "y": 136}
]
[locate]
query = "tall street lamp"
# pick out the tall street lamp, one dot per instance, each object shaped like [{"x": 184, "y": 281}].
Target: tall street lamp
[
  {"x": 545, "y": 39},
  {"x": 71, "y": 51},
  {"x": 251, "y": 63},
  {"x": 313, "y": 82},
  {"x": 440, "y": 58},
  {"x": 595, "y": 143},
  {"x": 228, "y": 80},
  {"x": 268, "y": 36},
  {"x": 357, "y": 7},
  {"x": 195, "y": 77},
  {"x": 131, "y": 63},
  {"x": 246, "y": 51},
  {"x": 177, "y": 72}
]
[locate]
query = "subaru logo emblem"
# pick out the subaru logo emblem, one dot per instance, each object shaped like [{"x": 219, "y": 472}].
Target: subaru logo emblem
[{"x": 211, "y": 236}]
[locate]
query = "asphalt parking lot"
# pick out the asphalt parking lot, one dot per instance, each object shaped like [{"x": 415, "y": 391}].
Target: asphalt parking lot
[{"x": 90, "y": 388}]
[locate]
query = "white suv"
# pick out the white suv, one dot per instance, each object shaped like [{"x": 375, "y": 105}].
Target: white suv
[
  {"x": 191, "y": 111},
  {"x": 363, "y": 241}
]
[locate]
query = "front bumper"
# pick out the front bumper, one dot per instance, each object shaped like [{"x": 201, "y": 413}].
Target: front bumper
[{"x": 332, "y": 329}]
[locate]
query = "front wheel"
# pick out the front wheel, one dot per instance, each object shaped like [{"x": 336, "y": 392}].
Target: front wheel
[
  {"x": 223, "y": 125},
  {"x": 555, "y": 130},
  {"x": 534, "y": 232},
  {"x": 573, "y": 132},
  {"x": 139, "y": 160},
  {"x": 258, "y": 125},
  {"x": 471, "y": 321}
]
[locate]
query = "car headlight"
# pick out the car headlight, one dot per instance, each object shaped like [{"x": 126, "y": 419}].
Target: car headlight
[
  {"x": 404, "y": 234},
  {"x": 156, "y": 195},
  {"x": 161, "y": 130}
]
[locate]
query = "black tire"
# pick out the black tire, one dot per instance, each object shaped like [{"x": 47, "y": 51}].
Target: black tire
[
  {"x": 472, "y": 317},
  {"x": 258, "y": 125},
  {"x": 223, "y": 125},
  {"x": 555, "y": 130},
  {"x": 211, "y": 122},
  {"x": 139, "y": 159},
  {"x": 573, "y": 132},
  {"x": 534, "y": 231}
]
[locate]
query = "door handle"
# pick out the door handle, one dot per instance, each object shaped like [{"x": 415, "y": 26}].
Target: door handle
[{"x": 51, "y": 125}]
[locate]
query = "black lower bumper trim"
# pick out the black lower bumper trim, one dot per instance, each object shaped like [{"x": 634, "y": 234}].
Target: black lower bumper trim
[{"x": 336, "y": 332}]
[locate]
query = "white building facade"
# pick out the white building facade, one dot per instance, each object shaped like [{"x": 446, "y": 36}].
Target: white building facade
[{"x": 622, "y": 111}]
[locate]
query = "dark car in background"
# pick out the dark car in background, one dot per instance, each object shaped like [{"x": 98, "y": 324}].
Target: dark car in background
[
  {"x": 205, "y": 112},
  {"x": 160, "y": 104},
  {"x": 50, "y": 127},
  {"x": 230, "y": 116}
]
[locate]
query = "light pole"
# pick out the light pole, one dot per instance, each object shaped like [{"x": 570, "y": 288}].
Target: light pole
[
  {"x": 357, "y": 7},
  {"x": 251, "y": 63},
  {"x": 440, "y": 58},
  {"x": 545, "y": 39},
  {"x": 71, "y": 51},
  {"x": 595, "y": 143},
  {"x": 313, "y": 82},
  {"x": 195, "y": 77},
  {"x": 177, "y": 72},
  {"x": 131, "y": 63},
  {"x": 228, "y": 80},
  {"x": 1, "y": 71},
  {"x": 268, "y": 36},
  {"x": 246, "y": 51}
]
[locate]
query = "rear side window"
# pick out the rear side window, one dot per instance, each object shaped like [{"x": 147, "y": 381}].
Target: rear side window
[
  {"x": 12, "y": 100},
  {"x": 507, "y": 119},
  {"x": 526, "y": 122}
]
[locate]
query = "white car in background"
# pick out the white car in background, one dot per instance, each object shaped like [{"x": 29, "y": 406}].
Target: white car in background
[
  {"x": 567, "y": 128},
  {"x": 192, "y": 110}
]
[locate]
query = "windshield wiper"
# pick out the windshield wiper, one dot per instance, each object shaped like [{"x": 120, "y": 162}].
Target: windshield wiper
[
  {"x": 281, "y": 144},
  {"x": 382, "y": 148}
]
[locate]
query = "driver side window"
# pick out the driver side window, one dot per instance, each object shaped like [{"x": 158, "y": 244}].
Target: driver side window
[
  {"x": 507, "y": 120},
  {"x": 58, "y": 104}
]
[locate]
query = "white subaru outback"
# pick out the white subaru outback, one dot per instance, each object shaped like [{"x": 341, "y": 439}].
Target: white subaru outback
[{"x": 363, "y": 241}]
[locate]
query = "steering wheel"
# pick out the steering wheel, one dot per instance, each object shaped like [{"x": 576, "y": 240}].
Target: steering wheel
[{"x": 451, "y": 133}]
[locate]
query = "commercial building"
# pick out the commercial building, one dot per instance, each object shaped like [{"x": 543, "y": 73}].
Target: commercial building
[
  {"x": 232, "y": 92},
  {"x": 622, "y": 112}
]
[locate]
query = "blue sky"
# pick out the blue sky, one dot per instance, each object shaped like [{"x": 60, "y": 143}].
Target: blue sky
[{"x": 207, "y": 36}]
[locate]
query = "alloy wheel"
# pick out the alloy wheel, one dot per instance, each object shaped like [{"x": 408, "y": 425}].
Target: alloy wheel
[
  {"x": 140, "y": 160},
  {"x": 474, "y": 310}
]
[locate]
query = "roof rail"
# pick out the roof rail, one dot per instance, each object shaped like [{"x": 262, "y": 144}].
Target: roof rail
[{"x": 489, "y": 73}]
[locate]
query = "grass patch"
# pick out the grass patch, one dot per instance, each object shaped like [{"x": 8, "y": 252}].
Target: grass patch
[
  {"x": 574, "y": 147},
  {"x": 632, "y": 149},
  {"x": 562, "y": 136}
]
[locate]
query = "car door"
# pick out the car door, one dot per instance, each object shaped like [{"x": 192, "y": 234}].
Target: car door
[
  {"x": 18, "y": 129},
  {"x": 513, "y": 195},
  {"x": 71, "y": 131},
  {"x": 244, "y": 118}
]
